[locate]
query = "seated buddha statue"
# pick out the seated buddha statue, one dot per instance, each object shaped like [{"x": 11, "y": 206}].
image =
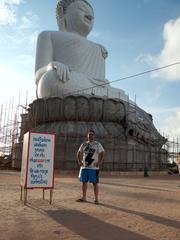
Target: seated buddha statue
[{"x": 67, "y": 63}]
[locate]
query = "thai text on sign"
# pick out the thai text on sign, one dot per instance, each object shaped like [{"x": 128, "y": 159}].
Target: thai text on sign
[{"x": 37, "y": 169}]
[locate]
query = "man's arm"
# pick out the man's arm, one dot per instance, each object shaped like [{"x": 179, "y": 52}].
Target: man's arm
[
  {"x": 100, "y": 158},
  {"x": 79, "y": 158}
]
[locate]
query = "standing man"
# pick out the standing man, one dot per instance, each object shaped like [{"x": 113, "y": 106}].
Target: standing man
[{"x": 89, "y": 157}]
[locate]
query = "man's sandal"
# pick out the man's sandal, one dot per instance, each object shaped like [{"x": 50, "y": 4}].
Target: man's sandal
[
  {"x": 80, "y": 200},
  {"x": 96, "y": 202}
]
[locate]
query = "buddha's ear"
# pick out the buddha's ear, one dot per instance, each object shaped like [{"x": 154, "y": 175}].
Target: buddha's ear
[
  {"x": 65, "y": 22},
  {"x": 60, "y": 18},
  {"x": 62, "y": 24}
]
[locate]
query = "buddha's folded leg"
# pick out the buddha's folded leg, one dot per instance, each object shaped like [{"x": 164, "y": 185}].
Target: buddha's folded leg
[{"x": 49, "y": 85}]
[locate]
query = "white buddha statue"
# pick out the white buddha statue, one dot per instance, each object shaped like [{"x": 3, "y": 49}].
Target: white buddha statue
[{"x": 67, "y": 63}]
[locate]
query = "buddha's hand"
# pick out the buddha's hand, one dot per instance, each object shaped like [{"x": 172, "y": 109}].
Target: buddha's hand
[{"x": 62, "y": 71}]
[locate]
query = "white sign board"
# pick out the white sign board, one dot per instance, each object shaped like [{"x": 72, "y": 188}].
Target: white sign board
[{"x": 37, "y": 169}]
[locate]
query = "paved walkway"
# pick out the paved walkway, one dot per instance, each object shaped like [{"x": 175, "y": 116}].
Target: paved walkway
[{"x": 132, "y": 208}]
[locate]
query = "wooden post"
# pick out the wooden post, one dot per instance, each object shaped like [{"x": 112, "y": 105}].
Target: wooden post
[
  {"x": 25, "y": 196},
  {"x": 43, "y": 193},
  {"x": 21, "y": 193},
  {"x": 51, "y": 193}
]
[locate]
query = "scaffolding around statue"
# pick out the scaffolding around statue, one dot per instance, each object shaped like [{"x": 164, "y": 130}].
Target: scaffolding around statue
[{"x": 129, "y": 144}]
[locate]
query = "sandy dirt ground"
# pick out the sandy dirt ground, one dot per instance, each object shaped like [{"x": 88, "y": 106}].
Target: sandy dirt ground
[{"x": 132, "y": 208}]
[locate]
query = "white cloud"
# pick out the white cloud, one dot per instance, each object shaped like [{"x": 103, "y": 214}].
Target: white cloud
[
  {"x": 29, "y": 20},
  {"x": 17, "y": 69},
  {"x": 167, "y": 121},
  {"x": 26, "y": 23},
  {"x": 21, "y": 35},
  {"x": 7, "y": 15},
  {"x": 7, "y": 11},
  {"x": 171, "y": 125},
  {"x": 171, "y": 51},
  {"x": 13, "y": 2},
  {"x": 169, "y": 54}
]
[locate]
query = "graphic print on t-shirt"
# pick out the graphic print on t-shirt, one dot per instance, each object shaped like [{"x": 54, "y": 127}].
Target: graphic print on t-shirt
[{"x": 89, "y": 154}]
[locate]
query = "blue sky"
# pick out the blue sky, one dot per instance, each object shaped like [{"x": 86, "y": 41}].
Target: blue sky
[{"x": 139, "y": 35}]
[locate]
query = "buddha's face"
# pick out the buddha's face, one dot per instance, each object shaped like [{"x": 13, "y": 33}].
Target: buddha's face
[{"x": 79, "y": 18}]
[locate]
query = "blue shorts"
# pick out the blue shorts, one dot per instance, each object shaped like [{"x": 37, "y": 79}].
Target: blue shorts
[{"x": 89, "y": 175}]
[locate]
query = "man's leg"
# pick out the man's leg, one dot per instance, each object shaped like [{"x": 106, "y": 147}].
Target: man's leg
[
  {"x": 96, "y": 191},
  {"x": 94, "y": 179},
  {"x": 84, "y": 180},
  {"x": 84, "y": 190}
]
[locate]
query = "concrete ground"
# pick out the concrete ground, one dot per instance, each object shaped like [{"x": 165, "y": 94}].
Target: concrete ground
[{"x": 132, "y": 208}]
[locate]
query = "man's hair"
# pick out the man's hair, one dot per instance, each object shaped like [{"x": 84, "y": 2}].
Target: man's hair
[
  {"x": 91, "y": 130},
  {"x": 62, "y": 6}
]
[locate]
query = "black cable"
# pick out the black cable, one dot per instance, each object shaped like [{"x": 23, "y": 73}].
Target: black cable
[{"x": 124, "y": 78}]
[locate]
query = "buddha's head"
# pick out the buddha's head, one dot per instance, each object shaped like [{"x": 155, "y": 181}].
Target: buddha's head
[{"x": 75, "y": 16}]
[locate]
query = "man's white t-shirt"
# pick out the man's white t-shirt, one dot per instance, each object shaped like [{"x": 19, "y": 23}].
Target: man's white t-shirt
[{"x": 90, "y": 151}]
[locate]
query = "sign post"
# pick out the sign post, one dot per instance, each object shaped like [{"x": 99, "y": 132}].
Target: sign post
[{"x": 37, "y": 168}]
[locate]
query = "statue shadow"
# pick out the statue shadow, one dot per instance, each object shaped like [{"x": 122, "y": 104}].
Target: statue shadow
[
  {"x": 146, "y": 196},
  {"x": 158, "y": 189},
  {"x": 147, "y": 216},
  {"x": 90, "y": 227}
]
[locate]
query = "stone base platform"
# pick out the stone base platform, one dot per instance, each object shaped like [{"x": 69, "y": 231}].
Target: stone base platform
[{"x": 130, "y": 142}]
